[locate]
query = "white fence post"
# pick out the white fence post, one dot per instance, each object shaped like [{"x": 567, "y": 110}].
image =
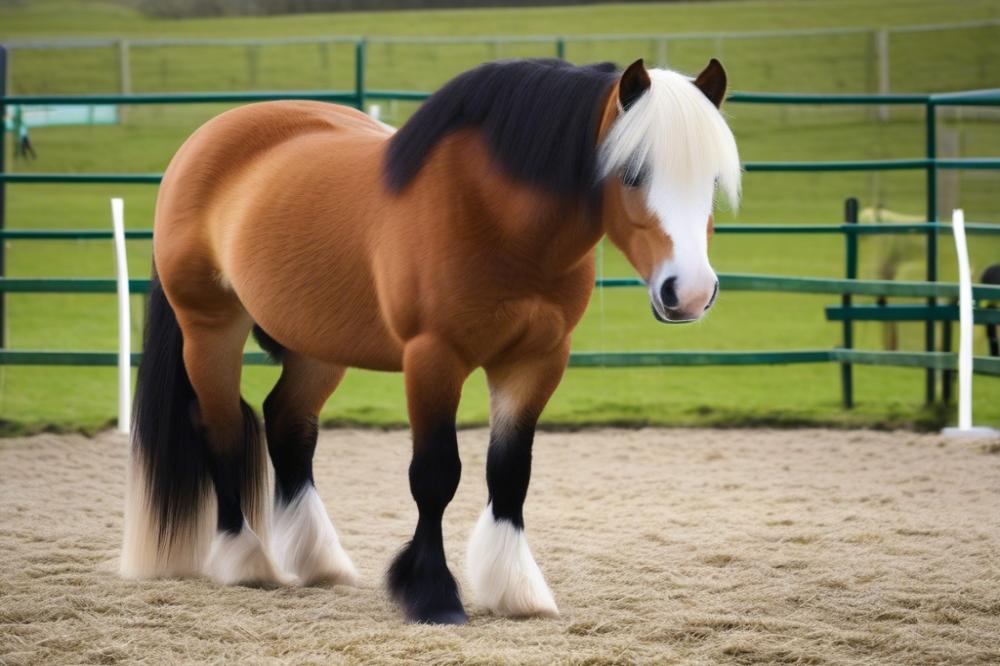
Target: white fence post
[
  {"x": 965, "y": 330},
  {"x": 124, "y": 318}
]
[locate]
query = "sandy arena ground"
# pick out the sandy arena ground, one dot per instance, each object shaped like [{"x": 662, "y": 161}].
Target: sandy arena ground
[{"x": 692, "y": 546}]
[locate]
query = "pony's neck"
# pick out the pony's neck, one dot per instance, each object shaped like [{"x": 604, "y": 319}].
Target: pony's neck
[
  {"x": 534, "y": 228},
  {"x": 552, "y": 234},
  {"x": 558, "y": 238}
]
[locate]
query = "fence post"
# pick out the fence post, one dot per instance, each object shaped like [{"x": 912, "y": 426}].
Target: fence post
[
  {"x": 851, "y": 272},
  {"x": 359, "y": 72},
  {"x": 3, "y": 190},
  {"x": 124, "y": 317},
  {"x": 561, "y": 48},
  {"x": 947, "y": 376},
  {"x": 124, "y": 76},
  {"x": 929, "y": 332},
  {"x": 882, "y": 58},
  {"x": 253, "y": 65},
  {"x": 324, "y": 60},
  {"x": 966, "y": 323},
  {"x": 124, "y": 68}
]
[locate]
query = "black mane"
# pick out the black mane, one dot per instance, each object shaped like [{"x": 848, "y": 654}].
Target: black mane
[{"x": 538, "y": 117}]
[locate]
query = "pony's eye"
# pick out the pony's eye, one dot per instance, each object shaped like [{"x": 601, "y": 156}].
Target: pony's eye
[{"x": 634, "y": 177}]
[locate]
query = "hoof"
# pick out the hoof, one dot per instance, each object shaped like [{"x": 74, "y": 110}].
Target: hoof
[
  {"x": 453, "y": 617},
  {"x": 420, "y": 582},
  {"x": 305, "y": 543},
  {"x": 240, "y": 559},
  {"x": 503, "y": 573}
]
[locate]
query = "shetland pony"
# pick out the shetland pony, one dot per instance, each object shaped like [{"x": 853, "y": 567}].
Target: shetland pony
[{"x": 464, "y": 240}]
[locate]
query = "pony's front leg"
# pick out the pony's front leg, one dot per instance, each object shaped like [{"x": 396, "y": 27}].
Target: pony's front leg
[
  {"x": 419, "y": 578},
  {"x": 499, "y": 563}
]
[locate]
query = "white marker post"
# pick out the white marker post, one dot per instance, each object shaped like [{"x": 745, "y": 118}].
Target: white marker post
[
  {"x": 965, "y": 340},
  {"x": 124, "y": 318}
]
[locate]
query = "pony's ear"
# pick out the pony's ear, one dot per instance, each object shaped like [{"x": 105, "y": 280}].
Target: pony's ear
[
  {"x": 712, "y": 82},
  {"x": 634, "y": 82}
]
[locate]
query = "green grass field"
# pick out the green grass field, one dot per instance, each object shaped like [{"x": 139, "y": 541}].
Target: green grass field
[{"x": 618, "y": 319}]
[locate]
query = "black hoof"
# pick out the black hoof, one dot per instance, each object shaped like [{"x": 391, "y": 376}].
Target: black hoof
[
  {"x": 421, "y": 583},
  {"x": 455, "y": 617}
]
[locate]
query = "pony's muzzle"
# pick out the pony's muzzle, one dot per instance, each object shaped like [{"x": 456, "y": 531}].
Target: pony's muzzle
[{"x": 671, "y": 307}]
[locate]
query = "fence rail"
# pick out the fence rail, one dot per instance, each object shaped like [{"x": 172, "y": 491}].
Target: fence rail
[
  {"x": 728, "y": 281},
  {"x": 767, "y": 167},
  {"x": 984, "y": 97},
  {"x": 877, "y": 61},
  {"x": 97, "y": 42},
  {"x": 930, "y": 289},
  {"x": 888, "y": 228},
  {"x": 983, "y": 365}
]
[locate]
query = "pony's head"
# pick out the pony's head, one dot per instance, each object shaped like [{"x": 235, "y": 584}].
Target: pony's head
[{"x": 664, "y": 150}]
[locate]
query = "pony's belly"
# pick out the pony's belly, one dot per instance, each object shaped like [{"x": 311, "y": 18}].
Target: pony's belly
[
  {"x": 355, "y": 342},
  {"x": 332, "y": 331}
]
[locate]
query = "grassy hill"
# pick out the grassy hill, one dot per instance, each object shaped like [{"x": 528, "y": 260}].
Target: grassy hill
[{"x": 618, "y": 319}]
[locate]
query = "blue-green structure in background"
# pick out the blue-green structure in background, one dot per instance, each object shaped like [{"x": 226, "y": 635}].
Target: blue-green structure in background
[{"x": 931, "y": 360}]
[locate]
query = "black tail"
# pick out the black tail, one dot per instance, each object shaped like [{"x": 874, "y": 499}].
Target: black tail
[{"x": 167, "y": 442}]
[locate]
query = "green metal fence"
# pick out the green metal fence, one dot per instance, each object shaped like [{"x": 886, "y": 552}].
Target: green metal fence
[{"x": 930, "y": 359}]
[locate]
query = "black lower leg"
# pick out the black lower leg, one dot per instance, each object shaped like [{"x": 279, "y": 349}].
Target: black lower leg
[
  {"x": 235, "y": 469},
  {"x": 419, "y": 578},
  {"x": 225, "y": 476},
  {"x": 508, "y": 471},
  {"x": 291, "y": 443}
]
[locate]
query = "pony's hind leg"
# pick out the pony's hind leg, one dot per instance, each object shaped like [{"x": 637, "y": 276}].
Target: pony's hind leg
[
  {"x": 168, "y": 521},
  {"x": 213, "y": 357},
  {"x": 419, "y": 578},
  {"x": 499, "y": 563},
  {"x": 303, "y": 539}
]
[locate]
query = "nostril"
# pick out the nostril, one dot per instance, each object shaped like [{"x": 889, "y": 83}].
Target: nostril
[{"x": 668, "y": 292}]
